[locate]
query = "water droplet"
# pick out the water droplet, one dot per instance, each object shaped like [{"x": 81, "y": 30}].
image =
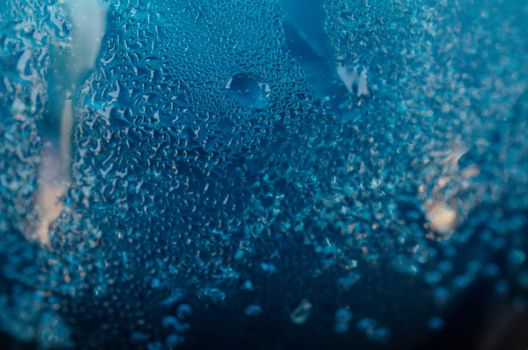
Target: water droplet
[
  {"x": 491, "y": 270},
  {"x": 516, "y": 257},
  {"x": 302, "y": 312},
  {"x": 268, "y": 267},
  {"x": 435, "y": 324},
  {"x": 174, "y": 340},
  {"x": 432, "y": 277},
  {"x": 248, "y": 285},
  {"x": 248, "y": 90},
  {"x": 183, "y": 310},
  {"x": 213, "y": 294},
  {"x": 349, "y": 280},
  {"x": 342, "y": 318},
  {"x": 440, "y": 295},
  {"x": 502, "y": 288},
  {"x": 253, "y": 310}
]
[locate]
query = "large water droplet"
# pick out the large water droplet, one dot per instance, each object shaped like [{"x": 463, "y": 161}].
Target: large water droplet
[{"x": 248, "y": 90}]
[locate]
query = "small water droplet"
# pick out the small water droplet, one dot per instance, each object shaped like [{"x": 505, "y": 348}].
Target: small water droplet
[
  {"x": 435, "y": 324},
  {"x": 302, "y": 312},
  {"x": 253, "y": 310},
  {"x": 342, "y": 318}
]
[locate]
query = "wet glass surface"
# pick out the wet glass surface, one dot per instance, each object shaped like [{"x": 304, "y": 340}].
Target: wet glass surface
[{"x": 266, "y": 174}]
